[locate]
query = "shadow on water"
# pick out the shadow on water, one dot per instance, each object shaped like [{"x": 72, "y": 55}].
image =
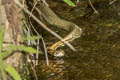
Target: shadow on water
[{"x": 98, "y": 55}]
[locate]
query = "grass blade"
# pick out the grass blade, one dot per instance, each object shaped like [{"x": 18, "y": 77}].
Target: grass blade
[{"x": 13, "y": 72}]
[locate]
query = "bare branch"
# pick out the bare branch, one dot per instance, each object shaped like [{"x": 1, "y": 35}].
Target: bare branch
[{"x": 43, "y": 25}]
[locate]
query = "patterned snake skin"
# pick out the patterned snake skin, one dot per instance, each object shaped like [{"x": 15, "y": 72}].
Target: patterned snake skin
[{"x": 53, "y": 19}]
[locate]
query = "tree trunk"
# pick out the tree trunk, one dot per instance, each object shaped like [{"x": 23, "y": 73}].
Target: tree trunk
[{"x": 10, "y": 19}]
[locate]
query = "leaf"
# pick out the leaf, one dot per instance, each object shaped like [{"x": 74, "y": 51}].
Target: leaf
[
  {"x": 2, "y": 31},
  {"x": 6, "y": 53},
  {"x": 22, "y": 48},
  {"x": 13, "y": 72},
  {"x": 2, "y": 71},
  {"x": 32, "y": 37},
  {"x": 69, "y": 2}
]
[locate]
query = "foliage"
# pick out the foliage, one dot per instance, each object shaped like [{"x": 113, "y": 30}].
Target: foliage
[
  {"x": 1, "y": 58},
  {"x": 6, "y": 67},
  {"x": 12, "y": 72},
  {"x": 3, "y": 66},
  {"x": 69, "y": 2},
  {"x": 32, "y": 37}
]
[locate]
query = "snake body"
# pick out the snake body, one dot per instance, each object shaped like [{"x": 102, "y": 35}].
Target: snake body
[{"x": 53, "y": 19}]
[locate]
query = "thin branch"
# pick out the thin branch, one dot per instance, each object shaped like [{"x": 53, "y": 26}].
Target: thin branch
[
  {"x": 34, "y": 71},
  {"x": 43, "y": 25},
  {"x": 95, "y": 11},
  {"x": 44, "y": 1},
  {"x": 36, "y": 2},
  {"x": 46, "y": 55},
  {"x": 45, "y": 49},
  {"x": 112, "y": 2}
]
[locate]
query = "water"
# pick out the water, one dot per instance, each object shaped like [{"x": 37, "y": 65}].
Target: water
[{"x": 98, "y": 49}]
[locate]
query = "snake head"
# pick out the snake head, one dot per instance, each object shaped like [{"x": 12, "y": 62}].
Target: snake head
[{"x": 59, "y": 53}]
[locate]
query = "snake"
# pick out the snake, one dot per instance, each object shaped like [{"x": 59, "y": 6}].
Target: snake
[{"x": 53, "y": 19}]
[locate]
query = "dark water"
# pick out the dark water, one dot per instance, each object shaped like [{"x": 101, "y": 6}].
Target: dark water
[{"x": 98, "y": 49}]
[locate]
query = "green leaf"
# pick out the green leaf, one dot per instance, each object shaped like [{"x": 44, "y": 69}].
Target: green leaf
[
  {"x": 32, "y": 37},
  {"x": 22, "y": 48},
  {"x": 2, "y": 31},
  {"x": 2, "y": 71},
  {"x": 13, "y": 72},
  {"x": 69, "y": 2},
  {"x": 6, "y": 53}
]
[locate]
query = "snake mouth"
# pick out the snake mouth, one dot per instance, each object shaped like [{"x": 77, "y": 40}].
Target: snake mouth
[{"x": 56, "y": 52}]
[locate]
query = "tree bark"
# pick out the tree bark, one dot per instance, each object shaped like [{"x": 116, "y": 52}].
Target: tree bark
[{"x": 10, "y": 19}]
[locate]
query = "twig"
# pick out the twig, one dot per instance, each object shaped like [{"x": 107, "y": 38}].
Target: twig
[
  {"x": 33, "y": 7},
  {"x": 27, "y": 32},
  {"x": 95, "y": 11},
  {"x": 44, "y": 1},
  {"x": 46, "y": 55},
  {"x": 34, "y": 71},
  {"x": 37, "y": 54},
  {"x": 43, "y": 25},
  {"x": 31, "y": 55},
  {"x": 112, "y": 2},
  {"x": 45, "y": 49}
]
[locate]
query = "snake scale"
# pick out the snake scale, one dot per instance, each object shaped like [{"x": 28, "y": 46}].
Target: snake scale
[{"x": 53, "y": 19}]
